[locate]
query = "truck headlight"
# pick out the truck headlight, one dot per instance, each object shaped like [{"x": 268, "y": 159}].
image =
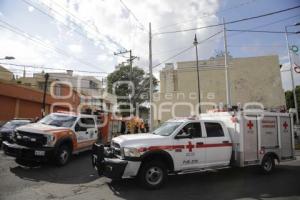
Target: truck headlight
[
  {"x": 50, "y": 140},
  {"x": 131, "y": 152},
  {"x": 13, "y": 135}
]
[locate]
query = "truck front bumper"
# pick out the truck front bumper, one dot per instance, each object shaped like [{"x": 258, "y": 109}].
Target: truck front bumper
[
  {"x": 27, "y": 153},
  {"x": 113, "y": 168}
]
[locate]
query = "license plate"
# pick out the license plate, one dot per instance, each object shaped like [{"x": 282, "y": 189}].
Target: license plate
[{"x": 39, "y": 153}]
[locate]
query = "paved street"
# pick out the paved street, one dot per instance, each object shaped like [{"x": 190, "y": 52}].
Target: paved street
[{"x": 78, "y": 180}]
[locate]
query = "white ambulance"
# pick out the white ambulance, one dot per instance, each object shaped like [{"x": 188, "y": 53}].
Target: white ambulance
[{"x": 188, "y": 145}]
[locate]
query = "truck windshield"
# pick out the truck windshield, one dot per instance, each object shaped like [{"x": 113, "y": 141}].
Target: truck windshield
[
  {"x": 167, "y": 128},
  {"x": 58, "y": 120}
]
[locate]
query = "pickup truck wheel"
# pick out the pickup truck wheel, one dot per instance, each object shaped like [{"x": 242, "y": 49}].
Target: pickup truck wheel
[
  {"x": 153, "y": 175},
  {"x": 267, "y": 165},
  {"x": 63, "y": 155}
]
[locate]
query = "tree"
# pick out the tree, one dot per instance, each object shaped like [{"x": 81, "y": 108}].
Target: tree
[
  {"x": 140, "y": 81},
  {"x": 289, "y": 98},
  {"x": 220, "y": 54}
]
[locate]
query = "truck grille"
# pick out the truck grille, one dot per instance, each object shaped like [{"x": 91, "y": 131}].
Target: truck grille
[
  {"x": 30, "y": 139},
  {"x": 116, "y": 148}
]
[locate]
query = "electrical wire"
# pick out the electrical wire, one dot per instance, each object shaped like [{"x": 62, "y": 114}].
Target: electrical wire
[
  {"x": 175, "y": 55},
  {"x": 187, "y": 49},
  {"x": 51, "y": 68},
  {"x": 209, "y": 14},
  {"x": 79, "y": 26},
  {"x": 40, "y": 42},
  {"x": 133, "y": 15},
  {"x": 230, "y": 22},
  {"x": 259, "y": 31}
]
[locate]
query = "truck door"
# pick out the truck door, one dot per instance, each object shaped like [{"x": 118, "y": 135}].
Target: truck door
[
  {"x": 86, "y": 131},
  {"x": 218, "y": 145},
  {"x": 187, "y": 153},
  {"x": 286, "y": 137},
  {"x": 250, "y": 139},
  {"x": 269, "y": 132}
]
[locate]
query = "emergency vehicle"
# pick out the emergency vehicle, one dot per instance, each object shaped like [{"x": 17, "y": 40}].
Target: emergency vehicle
[
  {"x": 188, "y": 145},
  {"x": 55, "y": 137}
]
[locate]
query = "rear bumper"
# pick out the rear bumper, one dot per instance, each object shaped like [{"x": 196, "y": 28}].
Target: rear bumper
[
  {"x": 27, "y": 153},
  {"x": 113, "y": 168}
]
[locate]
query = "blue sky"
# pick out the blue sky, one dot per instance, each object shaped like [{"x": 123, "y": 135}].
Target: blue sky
[{"x": 102, "y": 27}]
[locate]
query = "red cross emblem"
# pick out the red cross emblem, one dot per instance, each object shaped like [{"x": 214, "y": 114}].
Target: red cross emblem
[
  {"x": 285, "y": 125},
  {"x": 190, "y": 146},
  {"x": 250, "y": 124}
]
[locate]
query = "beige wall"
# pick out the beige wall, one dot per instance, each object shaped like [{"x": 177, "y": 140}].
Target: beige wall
[
  {"x": 253, "y": 79},
  {"x": 6, "y": 74}
]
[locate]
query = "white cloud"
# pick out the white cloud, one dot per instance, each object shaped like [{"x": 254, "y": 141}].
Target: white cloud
[
  {"x": 30, "y": 9},
  {"x": 108, "y": 21},
  {"x": 104, "y": 57},
  {"x": 75, "y": 48}
]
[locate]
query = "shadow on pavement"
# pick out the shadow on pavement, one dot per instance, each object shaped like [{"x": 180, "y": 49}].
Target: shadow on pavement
[
  {"x": 78, "y": 170},
  {"x": 225, "y": 184}
]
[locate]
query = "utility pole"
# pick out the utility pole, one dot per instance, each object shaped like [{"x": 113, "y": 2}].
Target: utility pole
[
  {"x": 292, "y": 75},
  {"x": 227, "y": 78},
  {"x": 131, "y": 58},
  {"x": 198, "y": 78},
  {"x": 44, "y": 96},
  {"x": 150, "y": 79}
]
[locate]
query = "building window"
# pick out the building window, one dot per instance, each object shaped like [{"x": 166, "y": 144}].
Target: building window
[
  {"x": 93, "y": 85},
  {"x": 57, "y": 89}
]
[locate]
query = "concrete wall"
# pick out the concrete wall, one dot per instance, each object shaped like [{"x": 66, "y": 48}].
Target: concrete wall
[
  {"x": 6, "y": 74},
  {"x": 253, "y": 79}
]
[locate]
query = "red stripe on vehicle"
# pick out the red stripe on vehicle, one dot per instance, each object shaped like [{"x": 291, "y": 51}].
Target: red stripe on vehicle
[
  {"x": 174, "y": 147},
  {"x": 214, "y": 145}
]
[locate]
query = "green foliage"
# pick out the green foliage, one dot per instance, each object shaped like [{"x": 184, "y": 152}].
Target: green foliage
[
  {"x": 140, "y": 81},
  {"x": 289, "y": 98}
]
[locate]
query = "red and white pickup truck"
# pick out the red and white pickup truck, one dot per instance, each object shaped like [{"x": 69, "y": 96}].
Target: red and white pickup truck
[{"x": 214, "y": 141}]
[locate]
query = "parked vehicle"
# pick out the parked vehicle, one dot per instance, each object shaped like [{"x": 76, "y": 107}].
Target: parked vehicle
[
  {"x": 9, "y": 127},
  {"x": 55, "y": 137},
  {"x": 189, "y": 145}
]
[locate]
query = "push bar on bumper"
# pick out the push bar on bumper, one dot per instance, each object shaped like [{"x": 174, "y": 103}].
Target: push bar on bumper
[
  {"x": 98, "y": 158},
  {"x": 107, "y": 165}
]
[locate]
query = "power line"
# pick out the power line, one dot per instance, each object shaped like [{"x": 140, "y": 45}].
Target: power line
[
  {"x": 267, "y": 24},
  {"x": 54, "y": 86},
  {"x": 51, "y": 68},
  {"x": 79, "y": 26},
  {"x": 209, "y": 14},
  {"x": 261, "y": 45},
  {"x": 40, "y": 42},
  {"x": 136, "y": 19},
  {"x": 94, "y": 28},
  {"x": 230, "y": 22},
  {"x": 166, "y": 60},
  {"x": 259, "y": 31},
  {"x": 174, "y": 56},
  {"x": 185, "y": 50}
]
